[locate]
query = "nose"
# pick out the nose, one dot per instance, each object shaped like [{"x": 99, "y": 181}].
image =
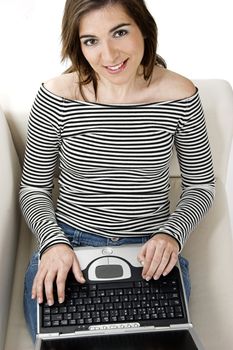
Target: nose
[{"x": 109, "y": 53}]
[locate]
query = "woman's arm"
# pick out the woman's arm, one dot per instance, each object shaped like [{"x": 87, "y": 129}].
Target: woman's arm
[
  {"x": 160, "y": 253},
  {"x": 198, "y": 182},
  {"x": 41, "y": 157}
]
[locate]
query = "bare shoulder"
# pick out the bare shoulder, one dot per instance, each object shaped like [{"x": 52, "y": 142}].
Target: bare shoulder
[
  {"x": 62, "y": 85},
  {"x": 180, "y": 86},
  {"x": 173, "y": 86}
]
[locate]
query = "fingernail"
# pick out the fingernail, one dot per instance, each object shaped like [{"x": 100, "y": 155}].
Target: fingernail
[
  {"x": 82, "y": 279},
  {"x": 39, "y": 300},
  {"x": 50, "y": 303},
  {"x": 156, "y": 278},
  {"x": 148, "y": 278},
  {"x": 60, "y": 300},
  {"x": 142, "y": 263}
]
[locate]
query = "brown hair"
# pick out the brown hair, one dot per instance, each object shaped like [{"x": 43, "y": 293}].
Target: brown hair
[{"x": 71, "y": 46}]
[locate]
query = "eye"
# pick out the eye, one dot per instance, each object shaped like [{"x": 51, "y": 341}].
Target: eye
[
  {"x": 120, "y": 33},
  {"x": 90, "y": 42}
]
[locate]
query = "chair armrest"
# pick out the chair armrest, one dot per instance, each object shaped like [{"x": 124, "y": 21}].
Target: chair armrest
[
  {"x": 210, "y": 252},
  {"x": 9, "y": 220}
]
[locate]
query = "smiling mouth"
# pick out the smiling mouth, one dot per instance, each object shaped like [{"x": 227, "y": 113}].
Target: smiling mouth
[{"x": 117, "y": 68}]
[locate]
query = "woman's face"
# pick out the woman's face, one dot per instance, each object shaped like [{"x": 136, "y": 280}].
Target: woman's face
[{"x": 112, "y": 43}]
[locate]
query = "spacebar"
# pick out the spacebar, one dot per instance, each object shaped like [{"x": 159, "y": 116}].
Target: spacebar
[{"x": 115, "y": 285}]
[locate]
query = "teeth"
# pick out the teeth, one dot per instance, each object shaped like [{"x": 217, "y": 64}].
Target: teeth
[{"x": 116, "y": 67}]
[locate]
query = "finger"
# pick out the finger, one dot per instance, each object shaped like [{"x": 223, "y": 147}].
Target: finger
[
  {"x": 163, "y": 264},
  {"x": 34, "y": 288},
  {"x": 155, "y": 262},
  {"x": 152, "y": 258},
  {"x": 61, "y": 281},
  {"x": 77, "y": 271},
  {"x": 171, "y": 264},
  {"x": 147, "y": 260},
  {"x": 48, "y": 283},
  {"x": 38, "y": 285},
  {"x": 142, "y": 254}
]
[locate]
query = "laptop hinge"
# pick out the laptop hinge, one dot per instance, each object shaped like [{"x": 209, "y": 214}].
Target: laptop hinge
[
  {"x": 181, "y": 326},
  {"x": 49, "y": 335}
]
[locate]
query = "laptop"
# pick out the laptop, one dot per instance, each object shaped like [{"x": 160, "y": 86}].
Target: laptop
[{"x": 116, "y": 309}]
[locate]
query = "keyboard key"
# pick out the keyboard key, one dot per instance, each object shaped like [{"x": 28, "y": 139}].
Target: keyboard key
[
  {"x": 54, "y": 310},
  {"x": 68, "y": 316},
  {"x": 77, "y": 315},
  {"x": 92, "y": 287},
  {"x": 174, "y": 302},
  {"x": 72, "y": 322},
  {"x": 88, "y": 320},
  {"x": 72, "y": 309},
  {"x": 154, "y": 316},
  {"x": 90, "y": 307},
  {"x": 101, "y": 293},
  {"x": 109, "y": 306},
  {"x": 47, "y": 311},
  {"x": 80, "y": 321},
  {"x": 119, "y": 292},
  {"x": 64, "y": 323},
  {"x": 110, "y": 292},
  {"x": 105, "y": 300},
  {"x": 47, "y": 318},
  {"x": 57, "y": 317},
  {"x": 63, "y": 309},
  {"x": 81, "y": 308},
  {"x": 99, "y": 307},
  {"x": 96, "y": 300},
  {"x": 113, "y": 319},
  {"x": 86, "y": 315}
]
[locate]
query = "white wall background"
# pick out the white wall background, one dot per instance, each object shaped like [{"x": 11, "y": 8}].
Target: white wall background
[{"x": 195, "y": 38}]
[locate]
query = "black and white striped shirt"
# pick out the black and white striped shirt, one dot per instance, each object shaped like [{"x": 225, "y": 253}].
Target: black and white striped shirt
[{"x": 114, "y": 167}]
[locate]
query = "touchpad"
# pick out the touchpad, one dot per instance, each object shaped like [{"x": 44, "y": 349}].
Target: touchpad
[
  {"x": 109, "y": 268},
  {"x": 109, "y": 271}
]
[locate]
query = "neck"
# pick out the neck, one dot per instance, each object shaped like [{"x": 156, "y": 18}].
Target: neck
[{"x": 108, "y": 92}]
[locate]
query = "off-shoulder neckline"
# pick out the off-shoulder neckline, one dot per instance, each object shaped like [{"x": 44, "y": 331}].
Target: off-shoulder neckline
[{"x": 97, "y": 104}]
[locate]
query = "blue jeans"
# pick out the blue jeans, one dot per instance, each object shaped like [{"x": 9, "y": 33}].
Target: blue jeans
[{"x": 81, "y": 238}]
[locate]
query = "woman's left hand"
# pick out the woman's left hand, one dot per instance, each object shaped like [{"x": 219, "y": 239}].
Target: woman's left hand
[{"x": 158, "y": 256}]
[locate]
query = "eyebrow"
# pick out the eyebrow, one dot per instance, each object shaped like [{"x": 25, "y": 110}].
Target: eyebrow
[{"x": 111, "y": 30}]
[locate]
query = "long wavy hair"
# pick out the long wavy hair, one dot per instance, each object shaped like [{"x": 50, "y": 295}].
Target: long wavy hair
[{"x": 71, "y": 47}]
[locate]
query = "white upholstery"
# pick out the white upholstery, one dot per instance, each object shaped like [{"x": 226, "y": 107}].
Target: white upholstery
[
  {"x": 209, "y": 249},
  {"x": 9, "y": 219}
]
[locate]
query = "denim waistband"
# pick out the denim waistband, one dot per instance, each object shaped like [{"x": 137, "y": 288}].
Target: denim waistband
[{"x": 79, "y": 237}]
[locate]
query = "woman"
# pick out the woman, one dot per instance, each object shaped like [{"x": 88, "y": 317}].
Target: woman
[{"x": 112, "y": 120}]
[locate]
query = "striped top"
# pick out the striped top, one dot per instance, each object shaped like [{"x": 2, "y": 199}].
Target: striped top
[{"x": 114, "y": 167}]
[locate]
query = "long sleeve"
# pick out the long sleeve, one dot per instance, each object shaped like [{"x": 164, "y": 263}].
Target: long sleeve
[
  {"x": 40, "y": 162},
  {"x": 198, "y": 183}
]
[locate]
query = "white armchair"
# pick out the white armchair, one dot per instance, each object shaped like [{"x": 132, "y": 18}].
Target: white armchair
[{"x": 209, "y": 249}]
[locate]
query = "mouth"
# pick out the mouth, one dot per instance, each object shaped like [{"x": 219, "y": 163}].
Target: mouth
[{"x": 117, "y": 68}]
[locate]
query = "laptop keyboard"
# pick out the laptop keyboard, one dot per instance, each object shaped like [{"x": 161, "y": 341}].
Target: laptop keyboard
[{"x": 115, "y": 302}]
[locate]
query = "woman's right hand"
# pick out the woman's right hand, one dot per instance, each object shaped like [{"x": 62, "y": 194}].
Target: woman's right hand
[{"x": 55, "y": 264}]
